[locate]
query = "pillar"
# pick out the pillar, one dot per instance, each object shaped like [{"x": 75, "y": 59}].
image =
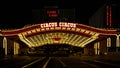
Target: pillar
[
  {"x": 103, "y": 47},
  {"x": 97, "y": 48},
  {"x": 86, "y": 51},
  {"x": 109, "y": 42},
  {"x": 5, "y": 45},
  {"x": 16, "y": 48},
  {"x": 117, "y": 42},
  {"x": 89, "y": 50}
]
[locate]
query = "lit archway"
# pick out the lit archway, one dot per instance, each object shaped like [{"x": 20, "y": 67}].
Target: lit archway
[{"x": 57, "y": 33}]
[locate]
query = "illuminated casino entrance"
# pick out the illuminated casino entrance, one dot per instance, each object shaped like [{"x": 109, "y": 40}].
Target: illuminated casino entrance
[
  {"x": 93, "y": 40},
  {"x": 58, "y": 33}
]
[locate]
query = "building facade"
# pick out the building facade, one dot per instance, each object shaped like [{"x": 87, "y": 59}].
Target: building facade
[{"x": 107, "y": 16}]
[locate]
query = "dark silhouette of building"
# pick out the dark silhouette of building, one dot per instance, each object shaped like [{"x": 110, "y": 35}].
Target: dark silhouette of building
[
  {"x": 107, "y": 16},
  {"x": 53, "y": 14}
]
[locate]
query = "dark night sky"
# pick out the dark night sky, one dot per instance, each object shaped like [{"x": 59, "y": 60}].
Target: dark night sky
[{"x": 17, "y": 15}]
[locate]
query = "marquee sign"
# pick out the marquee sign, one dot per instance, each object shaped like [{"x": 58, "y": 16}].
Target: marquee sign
[{"x": 55, "y": 24}]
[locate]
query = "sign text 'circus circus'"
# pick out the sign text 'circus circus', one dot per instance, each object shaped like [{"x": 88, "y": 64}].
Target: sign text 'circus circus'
[{"x": 55, "y": 24}]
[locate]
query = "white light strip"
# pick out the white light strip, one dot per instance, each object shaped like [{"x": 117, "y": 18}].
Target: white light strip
[
  {"x": 26, "y": 41},
  {"x": 72, "y": 41},
  {"x": 40, "y": 41},
  {"x": 92, "y": 38},
  {"x": 37, "y": 40},
  {"x": 43, "y": 39},
  {"x": 88, "y": 42},
  {"x": 66, "y": 39},
  {"x": 85, "y": 42},
  {"x": 50, "y": 36},
  {"x": 31, "y": 44},
  {"x": 76, "y": 41},
  {"x": 73, "y": 38},
  {"x": 32, "y": 41},
  {"x": 47, "y": 38},
  {"x": 61, "y": 41},
  {"x": 81, "y": 40},
  {"x": 70, "y": 38}
]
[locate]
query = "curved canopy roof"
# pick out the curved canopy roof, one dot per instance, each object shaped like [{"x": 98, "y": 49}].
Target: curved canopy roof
[{"x": 57, "y": 33}]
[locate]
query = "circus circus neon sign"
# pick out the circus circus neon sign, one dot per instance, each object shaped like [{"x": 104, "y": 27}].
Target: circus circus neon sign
[{"x": 55, "y": 24}]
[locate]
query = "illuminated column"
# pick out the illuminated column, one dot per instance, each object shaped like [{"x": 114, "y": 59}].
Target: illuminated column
[
  {"x": 97, "y": 48},
  {"x": 109, "y": 42},
  {"x": 117, "y": 41},
  {"x": 16, "y": 48},
  {"x": 5, "y": 44}
]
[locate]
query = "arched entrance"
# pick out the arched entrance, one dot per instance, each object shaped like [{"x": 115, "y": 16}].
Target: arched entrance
[{"x": 57, "y": 33}]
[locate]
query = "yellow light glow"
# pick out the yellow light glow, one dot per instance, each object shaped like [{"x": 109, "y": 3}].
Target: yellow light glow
[
  {"x": 79, "y": 38},
  {"x": 29, "y": 32},
  {"x": 38, "y": 29},
  {"x": 63, "y": 28},
  {"x": 87, "y": 32},
  {"x": 92, "y": 33},
  {"x": 25, "y": 40},
  {"x": 24, "y": 33},
  {"x": 43, "y": 29},
  {"x": 58, "y": 28},
  {"x": 66, "y": 38},
  {"x": 51, "y": 28},
  {"x": 78, "y": 29},
  {"x": 47, "y": 28},
  {"x": 33, "y": 31},
  {"x": 68, "y": 28},
  {"x": 73, "y": 29}
]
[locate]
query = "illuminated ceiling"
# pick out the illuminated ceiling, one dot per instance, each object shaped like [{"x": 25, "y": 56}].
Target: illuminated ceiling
[{"x": 58, "y": 38}]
